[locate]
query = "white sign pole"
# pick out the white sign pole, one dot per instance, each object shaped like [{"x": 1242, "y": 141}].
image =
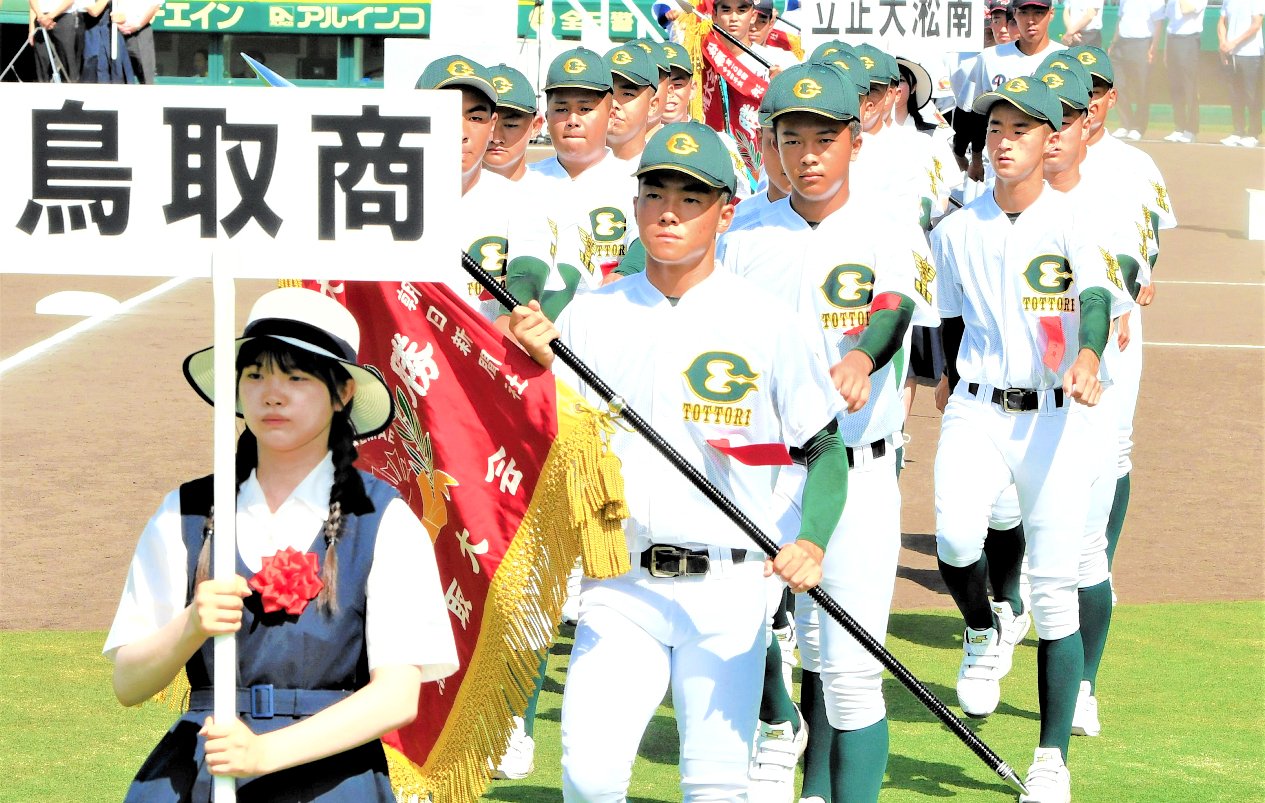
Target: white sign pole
[{"x": 224, "y": 543}]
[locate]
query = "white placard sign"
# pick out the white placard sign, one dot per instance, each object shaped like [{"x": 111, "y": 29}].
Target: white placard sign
[
  {"x": 913, "y": 28},
  {"x": 319, "y": 183}
]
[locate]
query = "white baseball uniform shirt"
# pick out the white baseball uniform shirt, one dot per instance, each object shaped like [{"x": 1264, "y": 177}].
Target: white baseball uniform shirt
[
  {"x": 726, "y": 362},
  {"x": 830, "y": 275},
  {"x": 750, "y": 212},
  {"x": 997, "y": 65},
  {"x": 1017, "y": 287},
  {"x": 486, "y": 214},
  {"x": 1123, "y": 165}
]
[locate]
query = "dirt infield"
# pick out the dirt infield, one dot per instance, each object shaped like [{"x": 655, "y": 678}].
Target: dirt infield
[{"x": 96, "y": 430}]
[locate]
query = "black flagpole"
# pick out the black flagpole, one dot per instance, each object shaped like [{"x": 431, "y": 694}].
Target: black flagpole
[{"x": 827, "y": 603}]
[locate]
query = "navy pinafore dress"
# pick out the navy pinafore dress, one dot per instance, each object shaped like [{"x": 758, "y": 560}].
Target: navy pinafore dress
[{"x": 288, "y": 668}]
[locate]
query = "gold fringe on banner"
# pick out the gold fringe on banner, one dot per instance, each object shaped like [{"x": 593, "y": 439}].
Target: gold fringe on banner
[
  {"x": 695, "y": 31},
  {"x": 176, "y": 695},
  {"x": 577, "y": 509},
  {"x": 797, "y": 45}
]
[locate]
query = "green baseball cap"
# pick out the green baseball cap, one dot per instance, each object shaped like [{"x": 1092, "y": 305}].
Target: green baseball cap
[
  {"x": 1096, "y": 60},
  {"x": 882, "y": 67},
  {"x": 1064, "y": 61},
  {"x": 851, "y": 65},
  {"x": 457, "y": 71},
  {"x": 579, "y": 68},
  {"x": 656, "y": 53},
  {"x": 633, "y": 63},
  {"x": 691, "y": 148},
  {"x": 1029, "y": 95},
  {"x": 677, "y": 57},
  {"x": 830, "y": 48},
  {"x": 821, "y": 89},
  {"x": 513, "y": 89},
  {"x": 1069, "y": 88}
]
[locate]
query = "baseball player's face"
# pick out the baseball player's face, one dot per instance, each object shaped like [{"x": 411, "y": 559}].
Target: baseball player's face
[
  {"x": 577, "y": 121},
  {"x": 510, "y": 137},
  {"x": 289, "y": 413},
  {"x": 873, "y": 107},
  {"x": 1101, "y": 100},
  {"x": 1034, "y": 23},
  {"x": 1016, "y": 142},
  {"x": 1066, "y": 147},
  {"x": 678, "y": 218},
  {"x": 631, "y": 109},
  {"x": 1000, "y": 28},
  {"x": 773, "y": 165},
  {"x": 477, "y": 119},
  {"x": 660, "y": 97},
  {"x": 816, "y": 154},
  {"x": 676, "y": 103},
  {"x": 736, "y": 17}
]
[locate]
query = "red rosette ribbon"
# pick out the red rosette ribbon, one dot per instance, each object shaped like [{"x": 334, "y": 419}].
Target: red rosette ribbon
[{"x": 288, "y": 581}]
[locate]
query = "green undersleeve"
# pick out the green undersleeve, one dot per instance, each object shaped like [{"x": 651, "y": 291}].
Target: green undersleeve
[
  {"x": 826, "y": 486},
  {"x": 885, "y": 333},
  {"x": 1095, "y": 319},
  {"x": 634, "y": 260}
]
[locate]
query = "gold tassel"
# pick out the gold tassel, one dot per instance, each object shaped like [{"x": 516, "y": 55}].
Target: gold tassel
[
  {"x": 176, "y": 695},
  {"x": 797, "y": 45},
  {"x": 573, "y": 512},
  {"x": 695, "y": 31},
  {"x": 289, "y": 282}
]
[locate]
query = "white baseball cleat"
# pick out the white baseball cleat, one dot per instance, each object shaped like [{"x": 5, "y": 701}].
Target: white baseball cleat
[
  {"x": 1248, "y": 142},
  {"x": 1232, "y": 141},
  {"x": 772, "y": 772},
  {"x": 1013, "y": 629},
  {"x": 786, "y": 643},
  {"x": 1134, "y": 135},
  {"x": 520, "y": 757},
  {"x": 1176, "y": 136},
  {"x": 979, "y": 676},
  {"x": 1048, "y": 780},
  {"x": 1085, "y": 720},
  {"x": 1120, "y": 133}
]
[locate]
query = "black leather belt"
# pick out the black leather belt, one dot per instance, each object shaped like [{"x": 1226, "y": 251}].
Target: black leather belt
[
  {"x": 266, "y": 702},
  {"x": 666, "y": 560},
  {"x": 1017, "y": 400},
  {"x": 875, "y": 450}
]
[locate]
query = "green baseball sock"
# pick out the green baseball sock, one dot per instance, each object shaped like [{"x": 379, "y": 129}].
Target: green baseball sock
[
  {"x": 968, "y": 585},
  {"x": 1060, "y": 664},
  {"x": 1095, "y": 621},
  {"x": 775, "y": 703},
  {"x": 812, "y": 703},
  {"x": 529, "y": 715},
  {"x": 1115, "y": 522},
  {"x": 785, "y": 609},
  {"x": 1005, "y": 549},
  {"x": 860, "y": 761}
]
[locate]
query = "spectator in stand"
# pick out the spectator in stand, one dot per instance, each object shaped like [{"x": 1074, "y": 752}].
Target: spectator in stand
[
  {"x": 133, "y": 18},
  {"x": 60, "y": 18},
  {"x": 1132, "y": 51},
  {"x": 1185, "y": 25},
  {"x": 1239, "y": 39}
]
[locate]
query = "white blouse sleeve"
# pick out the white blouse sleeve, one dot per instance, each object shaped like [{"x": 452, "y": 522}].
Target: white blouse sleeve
[
  {"x": 157, "y": 580},
  {"x": 406, "y": 619}
]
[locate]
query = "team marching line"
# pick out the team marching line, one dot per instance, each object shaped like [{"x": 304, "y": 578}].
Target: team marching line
[{"x": 771, "y": 302}]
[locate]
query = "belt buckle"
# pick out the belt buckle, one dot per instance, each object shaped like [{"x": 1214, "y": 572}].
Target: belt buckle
[
  {"x": 261, "y": 702},
  {"x": 668, "y": 553},
  {"x": 1012, "y": 400}
]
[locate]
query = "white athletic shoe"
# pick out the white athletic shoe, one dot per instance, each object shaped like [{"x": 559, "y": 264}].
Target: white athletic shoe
[
  {"x": 787, "y": 643},
  {"x": 1048, "y": 780},
  {"x": 1085, "y": 720},
  {"x": 520, "y": 757},
  {"x": 772, "y": 772},
  {"x": 1013, "y": 629},
  {"x": 1134, "y": 135},
  {"x": 1176, "y": 136},
  {"x": 1248, "y": 142},
  {"x": 1232, "y": 141},
  {"x": 1185, "y": 136},
  {"x": 1120, "y": 133},
  {"x": 979, "y": 677}
]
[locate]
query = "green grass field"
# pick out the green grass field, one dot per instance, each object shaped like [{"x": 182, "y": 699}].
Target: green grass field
[{"x": 1182, "y": 694}]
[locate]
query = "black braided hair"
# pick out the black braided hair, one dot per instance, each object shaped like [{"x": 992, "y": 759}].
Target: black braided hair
[{"x": 347, "y": 496}]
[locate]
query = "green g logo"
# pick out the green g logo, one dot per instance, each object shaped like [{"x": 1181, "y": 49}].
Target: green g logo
[
  {"x": 849, "y": 286},
  {"x": 608, "y": 224},
  {"x": 490, "y": 253},
  {"x": 721, "y": 377},
  {"x": 1049, "y": 274}
]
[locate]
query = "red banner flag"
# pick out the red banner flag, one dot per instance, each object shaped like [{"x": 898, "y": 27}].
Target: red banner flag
[
  {"x": 727, "y": 91},
  {"x": 510, "y": 475}
]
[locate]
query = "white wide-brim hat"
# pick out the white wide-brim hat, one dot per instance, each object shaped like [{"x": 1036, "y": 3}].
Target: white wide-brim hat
[
  {"x": 922, "y": 80},
  {"x": 312, "y": 322}
]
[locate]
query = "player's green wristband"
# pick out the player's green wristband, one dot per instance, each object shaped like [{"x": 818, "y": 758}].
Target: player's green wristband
[
  {"x": 634, "y": 260},
  {"x": 1095, "y": 319},
  {"x": 885, "y": 333},
  {"x": 826, "y": 486}
]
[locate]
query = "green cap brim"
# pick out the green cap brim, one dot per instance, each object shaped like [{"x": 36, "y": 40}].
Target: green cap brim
[{"x": 987, "y": 100}]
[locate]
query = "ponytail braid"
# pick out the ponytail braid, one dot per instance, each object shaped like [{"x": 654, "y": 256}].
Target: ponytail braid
[
  {"x": 347, "y": 494},
  {"x": 247, "y": 459}
]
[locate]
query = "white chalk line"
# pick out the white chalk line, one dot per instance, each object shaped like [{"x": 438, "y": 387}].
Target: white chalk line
[
  {"x": 1211, "y": 284},
  {"x": 1247, "y": 346},
  {"x": 31, "y": 352}
]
